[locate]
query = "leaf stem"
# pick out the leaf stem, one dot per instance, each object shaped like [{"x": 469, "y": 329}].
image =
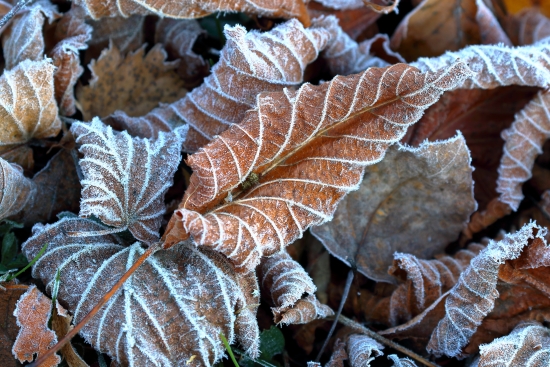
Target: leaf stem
[{"x": 151, "y": 250}]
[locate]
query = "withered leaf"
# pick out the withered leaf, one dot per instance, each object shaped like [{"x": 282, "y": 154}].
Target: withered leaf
[
  {"x": 125, "y": 33},
  {"x": 473, "y": 297},
  {"x": 33, "y": 311},
  {"x": 527, "y": 345},
  {"x": 8, "y": 325},
  {"x": 434, "y": 27},
  {"x": 362, "y": 350},
  {"x": 173, "y": 307},
  {"x": 527, "y": 27},
  {"x": 125, "y": 178},
  {"x": 196, "y": 9},
  {"x": 16, "y": 189},
  {"x": 134, "y": 84},
  {"x": 303, "y": 311},
  {"x": 416, "y": 200},
  {"x": 401, "y": 362},
  {"x": 27, "y": 106},
  {"x": 61, "y": 324},
  {"x": 295, "y": 161}
]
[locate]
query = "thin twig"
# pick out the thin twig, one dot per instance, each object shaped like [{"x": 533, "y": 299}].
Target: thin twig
[
  {"x": 20, "y": 5},
  {"x": 151, "y": 250},
  {"x": 379, "y": 338}
]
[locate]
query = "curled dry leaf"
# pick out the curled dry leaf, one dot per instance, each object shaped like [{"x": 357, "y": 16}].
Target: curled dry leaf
[
  {"x": 473, "y": 297},
  {"x": 179, "y": 292},
  {"x": 362, "y": 350},
  {"x": 527, "y": 27},
  {"x": 339, "y": 354},
  {"x": 527, "y": 345},
  {"x": 8, "y": 322},
  {"x": 434, "y": 27},
  {"x": 33, "y": 311},
  {"x": 401, "y": 362},
  {"x": 16, "y": 190},
  {"x": 142, "y": 81},
  {"x": 27, "y": 107},
  {"x": 303, "y": 311},
  {"x": 24, "y": 40},
  {"x": 125, "y": 178},
  {"x": 250, "y": 63},
  {"x": 73, "y": 34},
  {"x": 196, "y": 9},
  {"x": 341, "y": 4},
  {"x": 417, "y": 200},
  {"x": 287, "y": 149}
]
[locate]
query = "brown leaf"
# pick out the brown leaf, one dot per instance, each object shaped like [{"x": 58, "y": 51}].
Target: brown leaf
[
  {"x": 125, "y": 178},
  {"x": 73, "y": 34},
  {"x": 401, "y": 362},
  {"x": 362, "y": 350},
  {"x": 33, "y": 311},
  {"x": 8, "y": 325},
  {"x": 527, "y": 27},
  {"x": 135, "y": 83},
  {"x": 339, "y": 354},
  {"x": 24, "y": 40},
  {"x": 417, "y": 200},
  {"x": 473, "y": 297},
  {"x": 16, "y": 189},
  {"x": 193, "y": 9},
  {"x": 528, "y": 345},
  {"x": 434, "y": 27},
  {"x": 288, "y": 148},
  {"x": 125, "y": 33},
  {"x": 61, "y": 324},
  {"x": 27, "y": 105},
  {"x": 173, "y": 307},
  {"x": 303, "y": 311}
]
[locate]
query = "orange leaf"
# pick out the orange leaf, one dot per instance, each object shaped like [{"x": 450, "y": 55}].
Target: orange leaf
[{"x": 8, "y": 325}]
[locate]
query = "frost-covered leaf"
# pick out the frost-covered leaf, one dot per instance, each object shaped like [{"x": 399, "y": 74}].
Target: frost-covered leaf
[
  {"x": 473, "y": 297},
  {"x": 24, "y": 39},
  {"x": 72, "y": 34},
  {"x": 434, "y": 27},
  {"x": 125, "y": 178},
  {"x": 125, "y": 33},
  {"x": 173, "y": 307},
  {"x": 27, "y": 106},
  {"x": 286, "y": 167},
  {"x": 33, "y": 311},
  {"x": 417, "y": 200},
  {"x": 134, "y": 84},
  {"x": 527, "y": 27},
  {"x": 250, "y": 63},
  {"x": 16, "y": 190},
  {"x": 401, "y": 362},
  {"x": 8, "y": 325},
  {"x": 527, "y": 345},
  {"x": 196, "y": 9},
  {"x": 303, "y": 311},
  {"x": 362, "y": 350}
]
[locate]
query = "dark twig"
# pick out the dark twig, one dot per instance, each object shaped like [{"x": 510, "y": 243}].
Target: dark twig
[{"x": 20, "y": 5}]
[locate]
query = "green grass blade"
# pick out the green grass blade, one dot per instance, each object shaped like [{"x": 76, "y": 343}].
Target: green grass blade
[
  {"x": 228, "y": 348},
  {"x": 38, "y": 255}
]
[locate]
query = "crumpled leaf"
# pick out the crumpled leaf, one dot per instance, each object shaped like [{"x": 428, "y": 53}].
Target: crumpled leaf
[
  {"x": 288, "y": 147},
  {"x": 196, "y": 9},
  {"x": 401, "y": 362},
  {"x": 73, "y": 34},
  {"x": 27, "y": 107},
  {"x": 24, "y": 39},
  {"x": 33, "y": 311},
  {"x": 527, "y": 27},
  {"x": 173, "y": 307},
  {"x": 434, "y": 27},
  {"x": 527, "y": 345},
  {"x": 417, "y": 200},
  {"x": 8, "y": 325},
  {"x": 16, "y": 189},
  {"x": 250, "y": 63},
  {"x": 142, "y": 81},
  {"x": 303, "y": 311},
  {"x": 362, "y": 350},
  {"x": 125, "y": 33},
  {"x": 125, "y": 178},
  {"x": 339, "y": 354},
  {"x": 473, "y": 297}
]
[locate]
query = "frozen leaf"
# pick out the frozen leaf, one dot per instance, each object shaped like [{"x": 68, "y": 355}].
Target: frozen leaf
[
  {"x": 173, "y": 307},
  {"x": 250, "y": 63},
  {"x": 27, "y": 105},
  {"x": 286, "y": 167},
  {"x": 33, "y": 311},
  {"x": 8, "y": 325},
  {"x": 339, "y": 354},
  {"x": 24, "y": 39},
  {"x": 61, "y": 324},
  {"x": 416, "y": 200},
  {"x": 528, "y": 345},
  {"x": 434, "y": 27},
  {"x": 527, "y": 27},
  {"x": 303, "y": 311},
  {"x": 196, "y": 9},
  {"x": 473, "y": 297},
  {"x": 135, "y": 83},
  {"x": 341, "y": 4},
  {"x": 401, "y": 362},
  {"x": 73, "y": 34},
  {"x": 362, "y": 350},
  {"x": 16, "y": 190},
  {"x": 126, "y": 34},
  {"x": 125, "y": 178}
]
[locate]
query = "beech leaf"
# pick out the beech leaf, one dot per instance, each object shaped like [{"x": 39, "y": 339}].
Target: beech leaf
[
  {"x": 125, "y": 178},
  {"x": 173, "y": 307},
  {"x": 416, "y": 200}
]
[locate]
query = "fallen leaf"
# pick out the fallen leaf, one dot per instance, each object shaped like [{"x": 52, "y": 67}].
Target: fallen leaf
[
  {"x": 8, "y": 325},
  {"x": 303, "y": 311},
  {"x": 362, "y": 350},
  {"x": 134, "y": 84},
  {"x": 33, "y": 311},
  {"x": 16, "y": 189},
  {"x": 287, "y": 147},
  {"x": 417, "y": 201},
  {"x": 125, "y": 178},
  {"x": 401, "y": 362},
  {"x": 61, "y": 324},
  {"x": 527, "y": 27},
  {"x": 339, "y": 354},
  {"x": 434, "y": 27},
  {"x": 173, "y": 307},
  {"x": 516, "y": 6}
]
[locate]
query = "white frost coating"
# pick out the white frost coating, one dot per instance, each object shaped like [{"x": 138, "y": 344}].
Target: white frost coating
[
  {"x": 474, "y": 295},
  {"x": 362, "y": 350},
  {"x": 342, "y": 4},
  {"x": 401, "y": 362}
]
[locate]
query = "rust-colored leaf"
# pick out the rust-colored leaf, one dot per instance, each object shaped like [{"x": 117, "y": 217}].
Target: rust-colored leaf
[
  {"x": 303, "y": 311},
  {"x": 527, "y": 27},
  {"x": 288, "y": 148},
  {"x": 339, "y": 354},
  {"x": 61, "y": 324},
  {"x": 434, "y": 27},
  {"x": 33, "y": 311},
  {"x": 416, "y": 200},
  {"x": 125, "y": 178},
  {"x": 8, "y": 325},
  {"x": 134, "y": 84}
]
